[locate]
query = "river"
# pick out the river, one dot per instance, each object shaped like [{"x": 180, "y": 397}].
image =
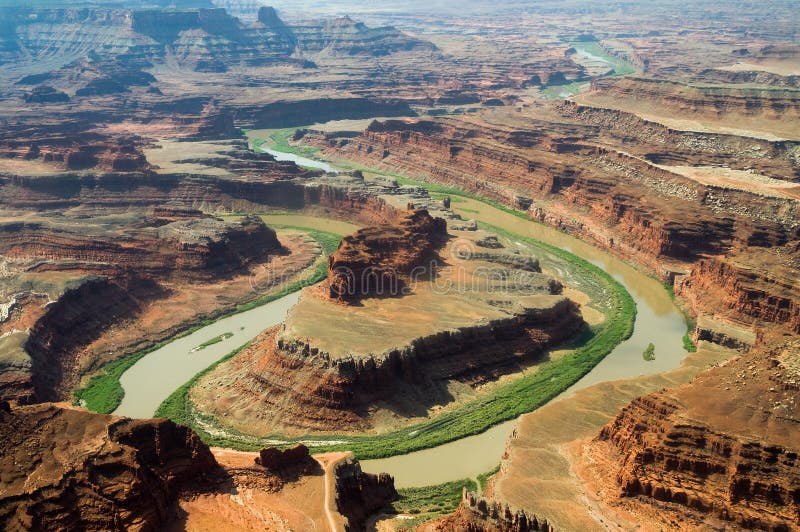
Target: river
[
  {"x": 153, "y": 378},
  {"x": 298, "y": 160},
  {"x": 658, "y": 320}
]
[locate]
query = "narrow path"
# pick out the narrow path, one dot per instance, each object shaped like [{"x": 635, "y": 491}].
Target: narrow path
[{"x": 329, "y": 461}]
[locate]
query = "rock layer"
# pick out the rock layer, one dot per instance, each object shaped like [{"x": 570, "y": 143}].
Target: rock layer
[
  {"x": 375, "y": 260},
  {"x": 68, "y": 469},
  {"x": 736, "y": 459}
]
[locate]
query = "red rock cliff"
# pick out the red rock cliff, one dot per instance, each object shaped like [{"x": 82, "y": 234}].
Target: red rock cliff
[
  {"x": 376, "y": 258},
  {"x": 73, "y": 470}
]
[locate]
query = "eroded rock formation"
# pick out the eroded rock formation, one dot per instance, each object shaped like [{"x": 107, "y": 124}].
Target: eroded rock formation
[
  {"x": 293, "y": 461},
  {"x": 478, "y": 514},
  {"x": 360, "y": 494},
  {"x": 69, "y": 469},
  {"x": 375, "y": 260},
  {"x": 735, "y": 457}
]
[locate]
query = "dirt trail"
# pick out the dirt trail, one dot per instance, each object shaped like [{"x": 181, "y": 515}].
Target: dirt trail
[{"x": 329, "y": 461}]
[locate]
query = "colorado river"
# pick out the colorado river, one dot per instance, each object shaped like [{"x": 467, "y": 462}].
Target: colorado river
[
  {"x": 153, "y": 378},
  {"x": 298, "y": 160},
  {"x": 658, "y": 320}
]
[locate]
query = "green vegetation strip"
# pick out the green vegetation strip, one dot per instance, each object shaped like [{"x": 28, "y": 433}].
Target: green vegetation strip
[
  {"x": 507, "y": 402},
  {"x": 174, "y": 407},
  {"x": 215, "y": 340},
  {"x": 430, "y": 502},
  {"x": 279, "y": 141},
  {"x": 104, "y": 393}
]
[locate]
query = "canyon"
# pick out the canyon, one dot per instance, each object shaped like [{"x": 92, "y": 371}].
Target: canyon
[{"x": 138, "y": 203}]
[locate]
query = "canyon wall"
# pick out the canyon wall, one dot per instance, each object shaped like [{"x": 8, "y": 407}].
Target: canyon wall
[
  {"x": 70, "y": 469},
  {"x": 736, "y": 458},
  {"x": 698, "y": 100},
  {"x": 622, "y": 202},
  {"x": 200, "y": 247}
]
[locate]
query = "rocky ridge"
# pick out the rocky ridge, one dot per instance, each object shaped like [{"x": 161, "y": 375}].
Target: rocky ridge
[
  {"x": 715, "y": 460},
  {"x": 67, "y": 469}
]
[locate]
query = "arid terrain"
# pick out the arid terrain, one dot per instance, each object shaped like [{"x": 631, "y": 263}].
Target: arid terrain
[{"x": 557, "y": 243}]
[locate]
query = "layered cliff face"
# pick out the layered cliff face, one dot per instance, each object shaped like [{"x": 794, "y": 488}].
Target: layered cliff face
[
  {"x": 379, "y": 257},
  {"x": 347, "y": 37},
  {"x": 197, "y": 39},
  {"x": 734, "y": 457},
  {"x": 752, "y": 287},
  {"x": 359, "y": 494},
  {"x": 689, "y": 100},
  {"x": 200, "y": 247},
  {"x": 293, "y": 386},
  {"x": 766, "y": 112},
  {"x": 69, "y": 469},
  {"x": 299, "y": 113}
]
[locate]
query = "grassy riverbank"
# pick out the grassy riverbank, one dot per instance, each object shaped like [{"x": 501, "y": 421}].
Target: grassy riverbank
[
  {"x": 278, "y": 140},
  {"x": 103, "y": 393}
]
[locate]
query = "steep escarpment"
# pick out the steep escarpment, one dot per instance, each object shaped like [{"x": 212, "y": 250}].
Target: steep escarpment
[
  {"x": 375, "y": 260},
  {"x": 68, "y": 469},
  {"x": 345, "y": 36},
  {"x": 735, "y": 457},
  {"x": 277, "y": 376},
  {"x": 199, "y": 39},
  {"x": 79, "y": 317},
  {"x": 311, "y": 111},
  {"x": 200, "y": 247},
  {"x": 359, "y": 494},
  {"x": 690, "y": 100},
  {"x": 751, "y": 287}
]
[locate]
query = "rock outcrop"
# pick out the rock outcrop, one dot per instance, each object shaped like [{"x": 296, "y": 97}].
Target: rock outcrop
[
  {"x": 360, "y": 494},
  {"x": 735, "y": 457},
  {"x": 703, "y": 101},
  {"x": 200, "y": 247},
  {"x": 295, "y": 461},
  {"x": 375, "y": 260},
  {"x": 478, "y": 514},
  {"x": 69, "y": 469}
]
